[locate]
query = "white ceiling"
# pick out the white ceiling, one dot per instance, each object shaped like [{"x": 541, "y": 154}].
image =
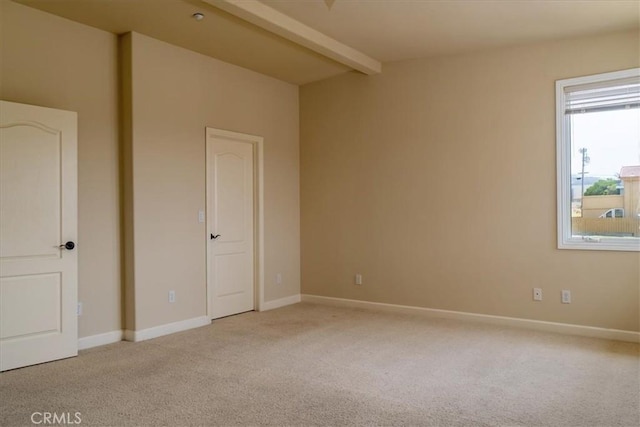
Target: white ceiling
[{"x": 386, "y": 30}]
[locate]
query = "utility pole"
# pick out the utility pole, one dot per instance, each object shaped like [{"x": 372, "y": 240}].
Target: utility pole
[{"x": 585, "y": 160}]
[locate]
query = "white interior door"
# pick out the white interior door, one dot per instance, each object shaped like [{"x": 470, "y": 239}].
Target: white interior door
[
  {"x": 230, "y": 223},
  {"x": 38, "y": 213}
]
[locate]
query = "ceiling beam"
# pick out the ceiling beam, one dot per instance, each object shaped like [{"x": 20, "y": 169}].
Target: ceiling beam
[{"x": 283, "y": 25}]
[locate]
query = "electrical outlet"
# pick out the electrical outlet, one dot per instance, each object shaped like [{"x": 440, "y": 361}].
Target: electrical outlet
[
  {"x": 79, "y": 309},
  {"x": 358, "y": 279},
  {"x": 172, "y": 296},
  {"x": 537, "y": 294},
  {"x": 566, "y": 296},
  {"x": 279, "y": 279}
]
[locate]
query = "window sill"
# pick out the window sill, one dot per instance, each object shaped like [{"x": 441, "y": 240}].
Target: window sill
[{"x": 631, "y": 244}]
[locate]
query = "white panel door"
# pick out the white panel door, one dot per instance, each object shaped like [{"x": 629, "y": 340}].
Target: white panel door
[
  {"x": 38, "y": 214},
  {"x": 230, "y": 208}
]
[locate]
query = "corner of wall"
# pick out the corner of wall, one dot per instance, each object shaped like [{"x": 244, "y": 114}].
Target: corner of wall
[{"x": 126, "y": 179}]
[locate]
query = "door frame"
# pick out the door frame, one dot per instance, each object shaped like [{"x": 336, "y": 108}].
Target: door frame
[{"x": 258, "y": 212}]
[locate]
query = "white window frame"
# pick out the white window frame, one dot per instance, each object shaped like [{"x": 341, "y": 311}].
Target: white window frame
[{"x": 563, "y": 164}]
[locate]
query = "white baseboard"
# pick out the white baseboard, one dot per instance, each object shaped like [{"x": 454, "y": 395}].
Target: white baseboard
[
  {"x": 277, "y": 303},
  {"x": 169, "y": 328},
  {"x": 100, "y": 339},
  {"x": 538, "y": 325}
]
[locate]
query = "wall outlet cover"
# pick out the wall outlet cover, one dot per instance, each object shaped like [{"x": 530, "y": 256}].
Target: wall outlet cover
[{"x": 537, "y": 294}]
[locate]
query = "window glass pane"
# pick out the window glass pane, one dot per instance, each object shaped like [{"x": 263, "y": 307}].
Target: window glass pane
[{"x": 605, "y": 173}]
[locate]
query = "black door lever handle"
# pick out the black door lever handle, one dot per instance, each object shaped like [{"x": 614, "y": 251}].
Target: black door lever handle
[
  {"x": 68, "y": 246},
  {"x": 214, "y": 237}
]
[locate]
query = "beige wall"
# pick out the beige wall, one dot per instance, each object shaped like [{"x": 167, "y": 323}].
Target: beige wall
[
  {"x": 53, "y": 62},
  {"x": 175, "y": 93},
  {"x": 383, "y": 162}
]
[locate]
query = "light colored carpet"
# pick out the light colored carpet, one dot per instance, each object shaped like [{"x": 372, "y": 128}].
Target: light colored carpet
[{"x": 317, "y": 365}]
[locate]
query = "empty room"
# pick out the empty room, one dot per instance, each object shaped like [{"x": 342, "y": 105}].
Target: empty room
[{"x": 320, "y": 212}]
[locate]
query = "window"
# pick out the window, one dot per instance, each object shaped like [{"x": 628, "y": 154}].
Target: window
[{"x": 598, "y": 161}]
